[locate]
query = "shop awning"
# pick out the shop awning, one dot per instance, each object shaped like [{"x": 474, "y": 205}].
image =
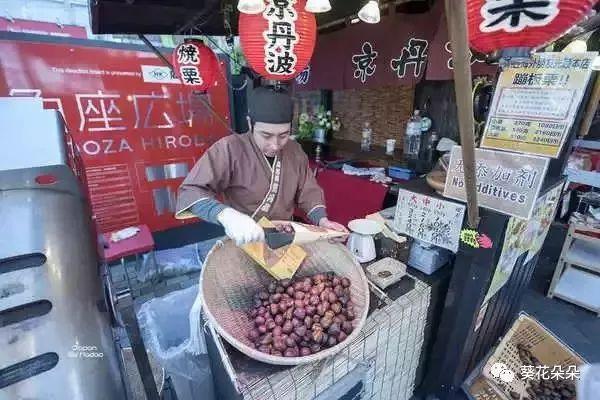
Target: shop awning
[
  {"x": 400, "y": 50},
  {"x": 168, "y": 17},
  {"x": 160, "y": 17}
]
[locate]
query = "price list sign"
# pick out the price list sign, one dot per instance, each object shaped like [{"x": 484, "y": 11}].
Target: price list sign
[
  {"x": 535, "y": 103},
  {"x": 429, "y": 219}
]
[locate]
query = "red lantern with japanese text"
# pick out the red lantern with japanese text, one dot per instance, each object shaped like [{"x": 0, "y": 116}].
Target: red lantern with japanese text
[
  {"x": 195, "y": 64},
  {"x": 500, "y": 24},
  {"x": 279, "y": 43}
]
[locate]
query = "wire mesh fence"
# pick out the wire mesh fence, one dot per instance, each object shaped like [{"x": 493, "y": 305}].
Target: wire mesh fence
[{"x": 384, "y": 358}]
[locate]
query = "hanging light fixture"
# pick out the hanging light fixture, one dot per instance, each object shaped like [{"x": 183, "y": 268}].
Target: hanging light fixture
[
  {"x": 370, "y": 12},
  {"x": 251, "y": 6},
  {"x": 318, "y": 6}
]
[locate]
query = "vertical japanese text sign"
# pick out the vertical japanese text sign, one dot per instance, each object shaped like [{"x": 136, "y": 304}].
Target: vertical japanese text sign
[
  {"x": 279, "y": 43},
  {"x": 196, "y": 64}
]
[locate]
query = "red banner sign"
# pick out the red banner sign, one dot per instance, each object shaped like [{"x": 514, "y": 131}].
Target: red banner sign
[
  {"x": 137, "y": 128},
  {"x": 362, "y": 55}
]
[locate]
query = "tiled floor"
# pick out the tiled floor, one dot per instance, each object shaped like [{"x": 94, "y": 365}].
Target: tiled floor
[{"x": 577, "y": 327}]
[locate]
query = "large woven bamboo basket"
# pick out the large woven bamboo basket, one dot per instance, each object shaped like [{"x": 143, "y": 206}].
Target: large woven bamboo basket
[{"x": 230, "y": 278}]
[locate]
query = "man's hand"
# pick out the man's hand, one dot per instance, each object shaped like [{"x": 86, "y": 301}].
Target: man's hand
[
  {"x": 240, "y": 228},
  {"x": 325, "y": 223}
]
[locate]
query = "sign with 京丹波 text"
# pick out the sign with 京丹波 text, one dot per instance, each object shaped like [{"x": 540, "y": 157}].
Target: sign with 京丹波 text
[
  {"x": 431, "y": 220},
  {"x": 506, "y": 182},
  {"x": 535, "y": 103}
]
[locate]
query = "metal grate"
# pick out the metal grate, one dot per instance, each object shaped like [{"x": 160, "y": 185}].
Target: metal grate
[
  {"x": 27, "y": 369},
  {"x": 23, "y": 312},
  {"x": 22, "y": 261}
]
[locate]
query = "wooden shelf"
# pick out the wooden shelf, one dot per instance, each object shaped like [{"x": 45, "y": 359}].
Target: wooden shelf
[
  {"x": 577, "y": 275},
  {"x": 579, "y": 287},
  {"x": 584, "y": 253}
]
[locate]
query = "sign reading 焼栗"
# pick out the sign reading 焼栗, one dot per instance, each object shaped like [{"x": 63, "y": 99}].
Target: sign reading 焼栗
[
  {"x": 506, "y": 182},
  {"x": 536, "y": 101},
  {"x": 431, "y": 220}
]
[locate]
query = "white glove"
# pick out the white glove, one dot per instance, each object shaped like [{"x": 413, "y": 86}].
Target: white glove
[{"x": 239, "y": 227}]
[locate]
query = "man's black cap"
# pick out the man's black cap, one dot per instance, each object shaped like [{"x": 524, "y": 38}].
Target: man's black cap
[{"x": 270, "y": 105}]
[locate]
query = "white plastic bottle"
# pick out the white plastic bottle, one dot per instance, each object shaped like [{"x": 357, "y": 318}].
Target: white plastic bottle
[
  {"x": 367, "y": 133},
  {"x": 412, "y": 138}
]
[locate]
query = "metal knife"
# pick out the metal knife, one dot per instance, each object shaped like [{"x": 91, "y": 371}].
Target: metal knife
[{"x": 276, "y": 239}]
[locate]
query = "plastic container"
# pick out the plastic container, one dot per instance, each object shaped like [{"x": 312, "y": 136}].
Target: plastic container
[
  {"x": 367, "y": 137},
  {"x": 412, "y": 137},
  {"x": 386, "y": 272},
  {"x": 401, "y": 173},
  {"x": 427, "y": 258},
  {"x": 174, "y": 262}
]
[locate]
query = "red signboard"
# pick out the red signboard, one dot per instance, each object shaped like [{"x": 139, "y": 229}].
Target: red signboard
[
  {"x": 42, "y": 28},
  {"x": 363, "y": 55},
  {"x": 138, "y": 129},
  {"x": 392, "y": 52}
]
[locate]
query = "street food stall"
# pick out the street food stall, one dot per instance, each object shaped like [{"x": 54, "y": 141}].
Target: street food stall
[{"x": 442, "y": 151}]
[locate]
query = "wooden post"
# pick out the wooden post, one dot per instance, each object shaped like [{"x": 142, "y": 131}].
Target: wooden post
[{"x": 456, "y": 15}]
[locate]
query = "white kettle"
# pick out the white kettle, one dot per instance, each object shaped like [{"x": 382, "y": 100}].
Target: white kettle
[{"x": 360, "y": 242}]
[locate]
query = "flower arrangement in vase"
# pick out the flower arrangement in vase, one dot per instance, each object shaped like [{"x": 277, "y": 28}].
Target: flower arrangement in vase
[{"x": 318, "y": 126}]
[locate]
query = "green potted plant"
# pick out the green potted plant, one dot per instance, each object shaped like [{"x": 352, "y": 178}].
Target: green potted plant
[{"x": 305, "y": 127}]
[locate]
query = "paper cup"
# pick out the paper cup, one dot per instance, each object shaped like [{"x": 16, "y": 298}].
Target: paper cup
[{"x": 390, "y": 145}]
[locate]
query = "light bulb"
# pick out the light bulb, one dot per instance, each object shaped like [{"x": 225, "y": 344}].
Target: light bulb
[
  {"x": 317, "y": 6},
  {"x": 370, "y": 12},
  {"x": 251, "y": 6}
]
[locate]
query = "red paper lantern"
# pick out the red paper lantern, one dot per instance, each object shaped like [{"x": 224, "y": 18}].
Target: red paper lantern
[
  {"x": 195, "y": 64},
  {"x": 279, "y": 43},
  {"x": 500, "y": 24}
]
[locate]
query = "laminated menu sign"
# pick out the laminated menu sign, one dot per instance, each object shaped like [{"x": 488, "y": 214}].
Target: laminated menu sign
[
  {"x": 431, "y": 220},
  {"x": 524, "y": 236},
  {"x": 506, "y": 182},
  {"x": 535, "y": 103}
]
